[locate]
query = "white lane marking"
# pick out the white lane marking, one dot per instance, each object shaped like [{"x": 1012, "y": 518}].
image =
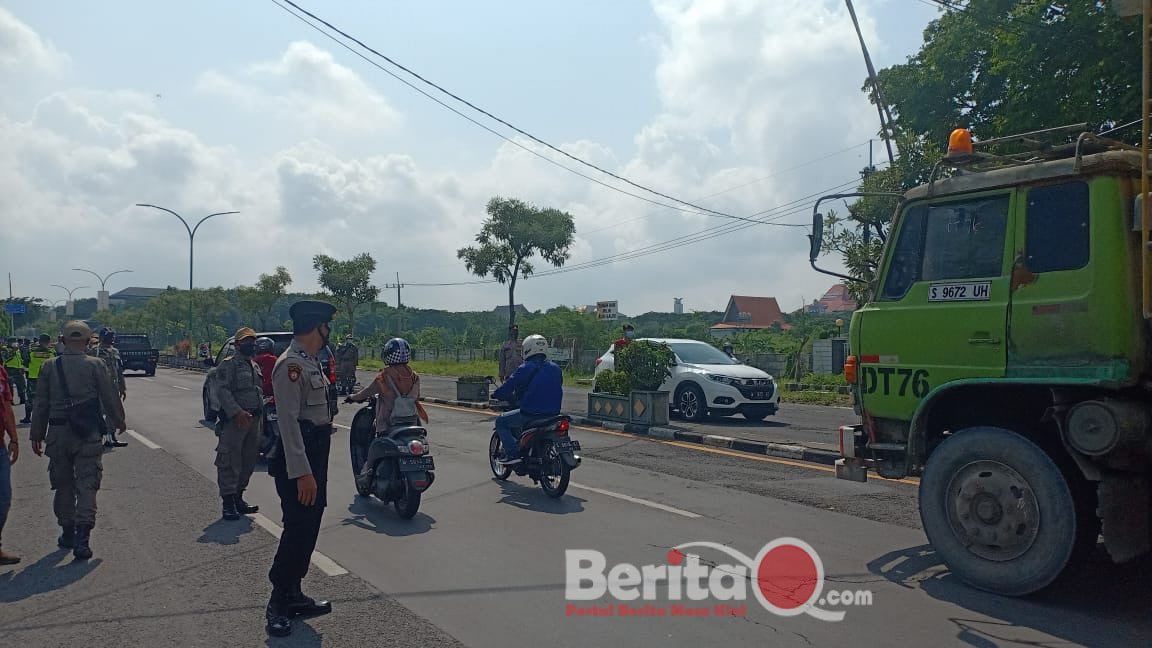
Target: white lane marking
[
  {"x": 342, "y": 426},
  {"x": 322, "y": 562},
  {"x": 143, "y": 439},
  {"x": 148, "y": 379},
  {"x": 637, "y": 500},
  {"x": 184, "y": 388}
]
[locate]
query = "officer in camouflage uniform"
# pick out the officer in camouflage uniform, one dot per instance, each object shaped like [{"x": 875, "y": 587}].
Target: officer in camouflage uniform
[
  {"x": 237, "y": 387},
  {"x": 107, "y": 352},
  {"x": 73, "y": 440},
  {"x": 300, "y": 465}
]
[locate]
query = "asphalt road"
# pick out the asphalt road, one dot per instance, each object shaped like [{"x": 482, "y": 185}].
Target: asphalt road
[
  {"x": 812, "y": 426},
  {"x": 485, "y": 561}
]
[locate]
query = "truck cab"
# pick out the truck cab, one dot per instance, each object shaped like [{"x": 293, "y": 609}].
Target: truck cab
[{"x": 1003, "y": 359}]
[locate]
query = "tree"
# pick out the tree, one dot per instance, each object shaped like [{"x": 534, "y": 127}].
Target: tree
[
  {"x": 514, "y": 232},
  {"x": 349, "y": 282},
  {"x": 261, "y": 299}
]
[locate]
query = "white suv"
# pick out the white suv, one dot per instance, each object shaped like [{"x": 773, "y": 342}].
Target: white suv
[{"x": 706, "y": 381}]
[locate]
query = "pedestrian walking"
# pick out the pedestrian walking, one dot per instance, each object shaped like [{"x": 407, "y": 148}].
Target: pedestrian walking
[
  {"x": 237, "y": 388},
  {"x": 37, "y": 356},
  {"x": 8, "y": 455},
  {"x": 16, "y": 360},
  {"x": 106, "y": 350},
  {"x": 73, "y": 394},
  {"x": 511, "y": 353},
  {"x": 300, "y": 465}
]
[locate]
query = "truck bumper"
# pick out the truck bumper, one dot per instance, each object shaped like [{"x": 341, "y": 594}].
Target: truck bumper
[{"x": 852, "y": 465}]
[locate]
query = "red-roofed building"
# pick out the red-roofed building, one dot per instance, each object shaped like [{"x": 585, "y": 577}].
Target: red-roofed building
[
  {"x": 749, "y": 314},
  {"x": 836, "y": 300}
]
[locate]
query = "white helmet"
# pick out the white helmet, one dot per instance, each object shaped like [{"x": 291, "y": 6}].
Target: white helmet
[{"x": 535, "y": 345}]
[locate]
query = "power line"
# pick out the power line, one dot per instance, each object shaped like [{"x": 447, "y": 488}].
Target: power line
[{"x": 488, "y": 114}]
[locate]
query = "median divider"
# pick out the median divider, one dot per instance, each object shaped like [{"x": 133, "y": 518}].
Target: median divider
[{"x": 668, "y": 433}]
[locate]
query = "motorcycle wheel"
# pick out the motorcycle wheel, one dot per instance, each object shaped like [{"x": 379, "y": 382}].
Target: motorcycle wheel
[
  {"x": 407, "y": 504},
  {"x": 555, "y": 483},
  {"x": 501, "y": 472}
]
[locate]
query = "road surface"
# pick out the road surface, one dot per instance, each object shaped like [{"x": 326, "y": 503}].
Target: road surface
[{"x": 484, "y": 561}]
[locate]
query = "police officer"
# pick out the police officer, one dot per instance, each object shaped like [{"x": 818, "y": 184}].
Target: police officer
[
  {"x": 37, "y": 356},
  {"x": 237, "y": 388},
  {"x": 110, "y": 355},
  {"x": 73, "y": 394},
  {"x": 16, "y": 362},
  {"x": 300, "y": 465}
]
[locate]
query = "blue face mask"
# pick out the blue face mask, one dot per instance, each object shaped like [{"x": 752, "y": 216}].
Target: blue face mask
[{"x": 629, "y": 334}]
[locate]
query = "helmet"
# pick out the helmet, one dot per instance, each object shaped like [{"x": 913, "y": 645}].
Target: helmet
[
  {"x": 397, "y": 351},
  {"x": 535, "y": 345},
  {"x": 107, "y": 334},
  {"x": 264, "y": 345}
]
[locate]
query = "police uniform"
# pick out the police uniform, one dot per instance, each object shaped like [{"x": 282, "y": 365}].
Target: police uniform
[
  {"x": 237, "y": 386},
  {"x": 110, "y": 355},
  {"x": 37, "y": 356},
  {"x": 305, "y": 414},
  {"x": 73, "y": 393}
]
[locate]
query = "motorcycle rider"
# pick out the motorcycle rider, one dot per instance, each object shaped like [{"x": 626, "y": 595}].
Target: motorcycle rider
[
  {"x": 347, "y": 356},
  {"x": 537, "y": 387},
  {"x": 397, "y": 376},
  {"x": 266, "y": 359}
]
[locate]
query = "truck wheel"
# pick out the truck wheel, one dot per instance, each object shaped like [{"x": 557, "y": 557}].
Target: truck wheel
[{"x": 998, "y": 511}]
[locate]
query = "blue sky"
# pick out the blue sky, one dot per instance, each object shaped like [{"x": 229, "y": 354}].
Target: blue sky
[{"x": 324, "y": 153}]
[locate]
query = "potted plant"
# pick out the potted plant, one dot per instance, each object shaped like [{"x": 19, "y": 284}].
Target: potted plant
[
  {"x": 473, "y": 389},
  {"x": 609, "y": 397},
  {"x": 647, "y": 365}
]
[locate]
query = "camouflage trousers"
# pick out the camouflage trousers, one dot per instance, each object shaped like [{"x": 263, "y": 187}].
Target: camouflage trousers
[
  {"x": 237, "y": 451},
  {"x": 75, "y": 468}
]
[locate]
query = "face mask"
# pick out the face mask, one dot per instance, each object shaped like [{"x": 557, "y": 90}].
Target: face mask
[
  {"x": 247, "y": 348},
  {"x": 629, "y": 334}
]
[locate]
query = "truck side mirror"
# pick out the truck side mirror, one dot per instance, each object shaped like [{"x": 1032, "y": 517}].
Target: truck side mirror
[{"x": 816, "y": 238}]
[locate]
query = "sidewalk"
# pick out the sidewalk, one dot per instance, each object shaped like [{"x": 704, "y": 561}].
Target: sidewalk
[{"x": 168, "y": 571}]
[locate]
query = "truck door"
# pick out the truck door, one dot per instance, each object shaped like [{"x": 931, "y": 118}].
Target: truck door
[{"x": 941, "y": 310}]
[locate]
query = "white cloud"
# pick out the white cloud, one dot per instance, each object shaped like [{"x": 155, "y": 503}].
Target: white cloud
[
  {"x": 308, "y": 87},
  {"x": 22, "y": 50}
]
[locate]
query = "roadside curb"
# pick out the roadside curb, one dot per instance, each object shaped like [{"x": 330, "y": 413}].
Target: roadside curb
[{"x": 780, "y": 450}]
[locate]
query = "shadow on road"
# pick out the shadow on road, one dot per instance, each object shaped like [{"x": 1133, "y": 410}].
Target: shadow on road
[
  {"x": 303, "y": 635},
  {"x": 1098, "y": 603},
  {"x": 226, "y": 532},
  {"x": 531, "y": 498},
  {"x": 374, "y": 515},
  {"x": 45, "y": 575}
]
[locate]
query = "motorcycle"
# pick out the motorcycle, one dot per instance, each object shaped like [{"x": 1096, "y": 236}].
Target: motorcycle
[
  {"x": 548, "y": 454},
  {"x": 271, "y": 429},
  {"x": 346, "y": 385},
  {"x": 394, "y": 466}
]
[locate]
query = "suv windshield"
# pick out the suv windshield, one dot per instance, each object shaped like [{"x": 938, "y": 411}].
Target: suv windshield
[{"x": 700, "y": 353}]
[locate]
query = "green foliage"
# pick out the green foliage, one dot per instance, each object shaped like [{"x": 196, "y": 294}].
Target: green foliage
[
  {"x": 827, "y": 399},
  {"x": 823, "y": 380},
  {"x": 349, "y": 282},
  {"x": 613, "y": 382},
  {"x": 645, "y": 363},
  {"x": 765, "y": 341},
  {"x": 514, "y": 232},
  {"x": 260, "y": 300}
]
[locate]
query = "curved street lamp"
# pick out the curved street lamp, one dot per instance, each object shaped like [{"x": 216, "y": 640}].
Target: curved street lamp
[
  {"x": 68, "y": 304},
  {"x": 191, "y": 248},
  {"x": 102, "y": 296}
]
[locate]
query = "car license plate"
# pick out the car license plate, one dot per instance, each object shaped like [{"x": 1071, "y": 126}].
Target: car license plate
[
  {"x": 761, "y": 395},
  {"x": 417, "y": 463}
]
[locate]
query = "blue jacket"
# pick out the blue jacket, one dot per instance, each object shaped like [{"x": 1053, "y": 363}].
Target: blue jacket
[{"x": 539, "y": 383}]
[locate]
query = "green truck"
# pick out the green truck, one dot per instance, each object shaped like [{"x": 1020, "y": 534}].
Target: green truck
[{"x": 1003, "y": 358}]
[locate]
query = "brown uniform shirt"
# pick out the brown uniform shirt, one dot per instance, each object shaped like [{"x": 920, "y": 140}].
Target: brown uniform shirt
[{"x": 87, "y": 379}]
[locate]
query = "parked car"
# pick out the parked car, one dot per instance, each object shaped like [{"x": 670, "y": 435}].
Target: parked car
[
  {"x": 280, "y": 342},
  {"x": 705, "y": 381}
]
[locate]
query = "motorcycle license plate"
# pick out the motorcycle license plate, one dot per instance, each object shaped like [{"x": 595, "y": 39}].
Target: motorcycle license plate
[
  {"x": 413, "y": 464},
  {"x": 567, "y": 444}
]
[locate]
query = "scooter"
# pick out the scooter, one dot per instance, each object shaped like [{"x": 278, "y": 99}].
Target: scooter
[
  {"x": 394, "y": 466},
  {"x": 548, "y": 454}
]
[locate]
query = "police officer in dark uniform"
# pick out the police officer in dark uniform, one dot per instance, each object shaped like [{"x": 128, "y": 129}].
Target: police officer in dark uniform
[{"x": 300, "y": 463}]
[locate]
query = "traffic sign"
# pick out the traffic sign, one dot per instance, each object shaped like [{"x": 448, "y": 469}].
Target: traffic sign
[
  {"x": 606, "y": 310},
  {"x": 15, "y": 309}
]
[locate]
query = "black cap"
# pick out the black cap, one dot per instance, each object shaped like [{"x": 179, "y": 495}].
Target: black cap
[
  {"x": 629, "y": 327},
  {"x": 309, "y": 314}
]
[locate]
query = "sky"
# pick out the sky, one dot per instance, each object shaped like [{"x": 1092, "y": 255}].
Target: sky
[{"x": 742, "y": 106}]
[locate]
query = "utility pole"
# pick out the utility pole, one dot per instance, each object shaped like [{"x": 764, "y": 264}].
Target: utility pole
[
  {"x": 877, "y": 97},
  {"x": 399, "y": 304}
]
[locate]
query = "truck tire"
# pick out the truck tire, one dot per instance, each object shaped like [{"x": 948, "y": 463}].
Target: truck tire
[{"x": 998, "y": 511}]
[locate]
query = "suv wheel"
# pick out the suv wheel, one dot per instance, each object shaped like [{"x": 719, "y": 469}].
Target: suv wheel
[{"x": 691, "y": 403}]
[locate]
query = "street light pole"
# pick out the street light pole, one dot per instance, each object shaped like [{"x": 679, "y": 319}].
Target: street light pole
[
  {"x": 102, "y": 296},
  {"x": 68, "y": 304},
  {"x": 191, "y": 249}
]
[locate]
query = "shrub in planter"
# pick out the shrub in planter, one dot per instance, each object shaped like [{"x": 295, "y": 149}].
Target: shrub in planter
[
  {"x": 612, "y": 382},
  {"x": 646, "y": 364}
]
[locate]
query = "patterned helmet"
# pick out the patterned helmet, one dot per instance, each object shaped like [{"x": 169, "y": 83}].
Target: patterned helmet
[
  {"x": 397, "y": 351},
  {"x": 107, "y": 334},
  {"x": 264, "y": 345}
]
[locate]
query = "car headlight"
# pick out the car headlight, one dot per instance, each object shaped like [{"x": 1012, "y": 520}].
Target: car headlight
[{"x": 724, "y": 379}]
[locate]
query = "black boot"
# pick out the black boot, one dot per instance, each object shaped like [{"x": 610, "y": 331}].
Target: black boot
[
  {"x": 298, "y": 605},
  {"x": 67, "y": 539},
  {"x": 276, "y": 620},
  {"x": 244, "y": 507},
  {"x": 117, "y": 443},
  {"x": 83, "y": 535},
  {"x": 230, "y": 512},
  {"x": 108, "y": 441}
]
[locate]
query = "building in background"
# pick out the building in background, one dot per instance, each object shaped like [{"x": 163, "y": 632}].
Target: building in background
[
  {"x": 502, "y": 311},
  {"x": 749, "y": 314},
  {"x": 678, "y": 305},
  {"x": 134, "y": 297},
  {"x": 836, "y": 300}
]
